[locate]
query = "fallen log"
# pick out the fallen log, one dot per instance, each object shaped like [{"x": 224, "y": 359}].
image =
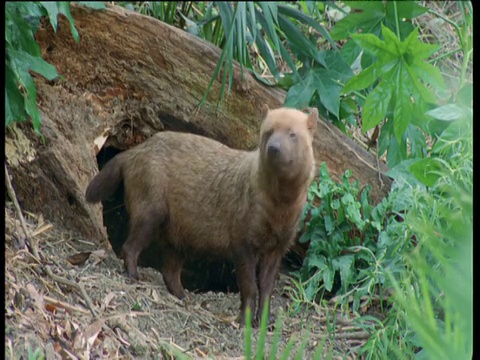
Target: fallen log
[{"x": 129, "y": 77}]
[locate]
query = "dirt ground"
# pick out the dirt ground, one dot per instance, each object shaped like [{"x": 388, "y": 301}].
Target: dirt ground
[{"x": 44, "y": 311}]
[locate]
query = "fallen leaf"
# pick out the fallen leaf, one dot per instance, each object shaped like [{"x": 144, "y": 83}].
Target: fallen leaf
[
  {"x": 155, "y": 295},
  {"x": 51, "y": 308},
  {"x": 68, "y": 329},
  {"x": 100, "y": 141},
  {"x": 79, "y": 259},
  {"x": 40, "y": 220},
  {"x": 106, "y": 301},
  {"x": 36, "y": 297},
  {"x": 92, "y": 332},
  {"x": 85, "y": 339},
  {"x": 100, "y": 253}
]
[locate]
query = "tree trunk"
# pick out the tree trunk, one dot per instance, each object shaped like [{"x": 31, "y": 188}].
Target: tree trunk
[{"x": 129, "y": 77}]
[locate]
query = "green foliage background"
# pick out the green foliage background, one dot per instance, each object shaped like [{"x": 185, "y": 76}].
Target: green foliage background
[{"x": 364, "y": 65}]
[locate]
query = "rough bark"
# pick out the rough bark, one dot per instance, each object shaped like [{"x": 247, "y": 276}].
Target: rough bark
[{"x": 135, "y": 75}]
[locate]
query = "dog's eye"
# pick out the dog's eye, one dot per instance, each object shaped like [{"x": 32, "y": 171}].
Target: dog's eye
[{"x": 293, "y": 135}]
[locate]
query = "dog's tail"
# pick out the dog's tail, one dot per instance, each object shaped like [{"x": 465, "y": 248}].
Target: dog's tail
[{"x": 106, "y": 182}]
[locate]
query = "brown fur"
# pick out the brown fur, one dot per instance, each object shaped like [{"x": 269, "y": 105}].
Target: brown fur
[{"x": 197, "y": 196}]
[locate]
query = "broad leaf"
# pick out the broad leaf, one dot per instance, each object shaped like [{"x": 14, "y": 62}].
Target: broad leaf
[
  {"x": 344, "y": 265},
  {"x": 328, "y": 275},
  {"x": 363, "y": 80},
  {"x": 372, "y": 44},
  {"x": 369, "y": 16},
  {"x": 13, "y": 99},
  {"x": 427, "y": 170},
  {"x": 350, "y": 52},
  {"x": 97, "y": 5},
  {"x": 299, "y": 95},
  {"x": 376, "y": 106},
  {"x": 338, "y": 69},
  {"x": 369, "y": 19},
  {"x": 52, "y": 11},
  {"x": 403, "y": 105},
  {"x": 64, "y": 8},
  {"x": 321, "y": 81},
  {"x": 403, "y": 75},
  {"x": 449, "y": 112},
  {"x": 25, "y": 62}
]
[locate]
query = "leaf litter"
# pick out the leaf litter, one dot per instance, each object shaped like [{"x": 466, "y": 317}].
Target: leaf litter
[{"x": 134, "y": 319}]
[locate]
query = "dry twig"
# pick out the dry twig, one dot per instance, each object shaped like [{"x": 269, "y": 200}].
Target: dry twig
[
  {"x": 13, "y": 197},
  {"x": 34, "y": 251}
]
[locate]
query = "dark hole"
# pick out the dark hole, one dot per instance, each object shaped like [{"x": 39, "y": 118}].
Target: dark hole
[{"x": 71, "y": 200}]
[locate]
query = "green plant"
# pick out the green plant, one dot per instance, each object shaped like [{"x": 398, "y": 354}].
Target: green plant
[
  {"x": 22, "y": 55},
  {"x": 166, "y": 11},
  {"x": 36, "y": 355},
  {"x": 286, "y": 353},
  {"x": 390, "y": 338},
  {"x": 397, "y": 90},
  {"x": 352, "y": 242},
  {"x": 264, "y": 28},
  {"x": 437, "y": 294},
  {"x": 398, "y": 82},
  {"x": 431, "y": 314}
]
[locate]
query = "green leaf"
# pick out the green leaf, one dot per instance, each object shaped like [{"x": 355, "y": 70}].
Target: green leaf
[
  {"x": 25, "y": 62},
  {"x": 52, "y": 11},
  {"x": 318, "y": 262},
  {"x": 427, "y": 171},
  {"x": 429, "y": 74},
  {"x": 392, "y": 42},
  {"x": 344, "y": 265},
  {"x": 376, "y": 106},
  {"x": 14, "y": 102},
  {"x": 269, "y": 11},
  {"x": 97, "y": 5},
  {"x": 465, "y": 96},
  {"x": 417, "y": 142},
  {"x": 396, "y": 152},
  {"x": 449, "y": 112},
  {"x": 299, "y": 95},
  {"x": 338, "y": 69},
  {"x": 300, "y": 16},
  {"x": 328, "y": 276},
  {"x": 329, "y": 224},
  {"x": 407, "y": 9},
  {"x": 369, "y": 19},
  {"x": 402, "y": 111},
  {"x": 268, "y": 26},
  {"x": 18, "y": 33},
  {"x": 371, "y": 44},
  {"x": 252, "y": 20},
  {"x": 299, "y": 41},
  {"x": 31, "y": 99},
  {"x": 64, "y": 8},
  {"x": 350, "y": 51},
  {"x": 328, "y": 90},
  {"x": 363, "y": 80},
  {"x": 421, "y": 91}
]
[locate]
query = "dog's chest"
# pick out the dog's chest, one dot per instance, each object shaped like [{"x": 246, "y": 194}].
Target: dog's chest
[{"x": 276, "y": 232}]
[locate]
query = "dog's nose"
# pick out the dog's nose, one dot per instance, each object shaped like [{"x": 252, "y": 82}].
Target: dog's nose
[{"x": 273, "y": 149}]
